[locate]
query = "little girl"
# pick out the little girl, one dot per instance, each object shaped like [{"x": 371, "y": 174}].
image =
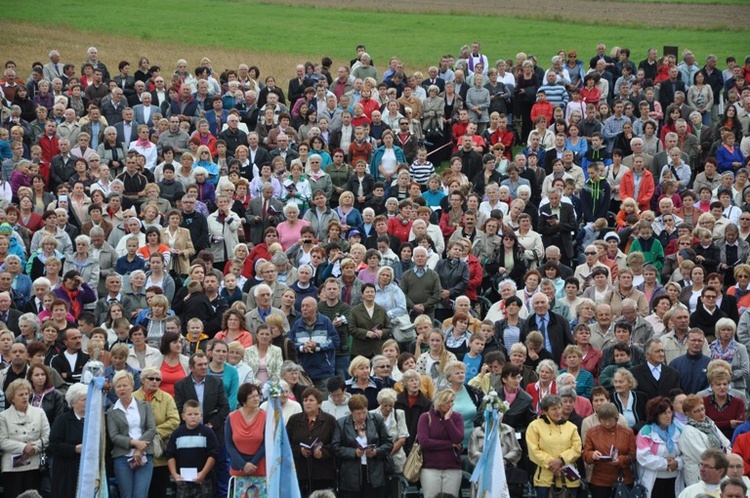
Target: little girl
[{"x": 628, "y": 206}]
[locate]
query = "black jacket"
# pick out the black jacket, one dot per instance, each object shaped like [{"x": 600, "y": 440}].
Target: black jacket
[
  {"x": 560, "y": 234},
  {"x": 422, "y": 405},
  {"x": 453, "y": 276},
  {"x": 345, "y": 445},
  {"x": 498, "y": 339},
  {"x": 558, "y": 330},
  {"x": 639, "y": 407},
  {"x": 669, "y": 379},
  {"x": 215, "y": 404}
]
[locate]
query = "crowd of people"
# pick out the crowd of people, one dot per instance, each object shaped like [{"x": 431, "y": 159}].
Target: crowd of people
[{"x": 581, "y": 261}]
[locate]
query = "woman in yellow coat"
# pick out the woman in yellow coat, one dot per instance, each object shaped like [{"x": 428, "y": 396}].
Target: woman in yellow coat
[
  {"x": 167, "y": 419},
  {"x": 553, "y": 443}
]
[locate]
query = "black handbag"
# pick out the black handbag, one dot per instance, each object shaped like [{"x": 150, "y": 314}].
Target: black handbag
[
  {"x": 561, "y": 492},
  {"x": 517, "y": 479},
  {"x": 620, "y": 489}
]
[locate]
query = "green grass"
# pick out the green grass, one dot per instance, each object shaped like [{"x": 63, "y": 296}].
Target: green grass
[
  {"x": 418, "y": 39},
  {"x": 693, "y": 2}
]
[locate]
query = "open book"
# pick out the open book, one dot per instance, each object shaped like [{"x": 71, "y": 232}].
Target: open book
[{"x": 314, "y": 446}]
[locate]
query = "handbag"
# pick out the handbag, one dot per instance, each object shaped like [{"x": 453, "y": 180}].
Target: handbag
[
  {"x": 413, "y": 464},
  {"x": 160, "y": 447},
  {"x": 516, "y": 478},
  {"x": 403, "y": 329},
  {"x": 620, "y": 489},
  {"x": 561, "y": 492}
]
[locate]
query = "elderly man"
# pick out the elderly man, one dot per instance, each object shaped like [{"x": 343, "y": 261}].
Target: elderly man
[
  {"x": 62, "y": 166},
  {"x": 266, "y": 271},
  {"x": 264, "y": 212},
  {"x": 554, "y": 328},
  {"x": 671, "y": 140},
  {"x": 666, "y": 206},
  {"x": 654, "y": 377},
  {"x": 421, "y": 285},
  {"x": 736, "y": 468},
  {"x": 40, "y": 286},
  {"x": 70, "y": 128},
  {"x": 641, "y": 329},
  {"x": 316, "y": 341},
  {"x": 257, "y": 316},
  {"x": 113, "y": 295}
]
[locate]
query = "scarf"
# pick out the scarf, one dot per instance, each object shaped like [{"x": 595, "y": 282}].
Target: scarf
[
  {"x": 75, "y": 304},
  {"x": 707, "y": 427},
  {"x": 728, "y": 354},
  {"x": 666, "y": 435},
  {"x": 145, "y": 143}
]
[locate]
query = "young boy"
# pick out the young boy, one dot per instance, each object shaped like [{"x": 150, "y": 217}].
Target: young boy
[
  {"x": 121, "y": 326},
  {"x": 229, "y": 289},
  {"x": 338, "y": 398},
  {"x": 421, "y": 169},
  {"x": 377, "y": 202},
  {"x": 473, "y": 358},
  {"x": 542, "y": 107},
  {"x": 191, "y": 454},
  {"x": 652, "y": 250},
  {"x": 170, "y": 188},
  {"x": 196, "y": 340}
]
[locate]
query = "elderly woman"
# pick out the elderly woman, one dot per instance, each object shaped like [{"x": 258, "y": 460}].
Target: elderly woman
[
  {"x": 361, "y": 382},
  {"x": 698, "y": 435},
  {"x": 382, "y": 370},
  {"x": 236, "y": 358},
  {"x": 361, "y": 443},
  {"x": 629, "y": 402},
  {"x": 395, "y": 423},
  {"x": 112, "y": 152},
  {"x": 440, "y": 433},
  {"x": 24, "y": 434},
  {"x": 552, "y": 443},
  {"x": 584, "y": 380},
  {"x": 726, "y": 410},
  {"x": 467, "y": 398},
  {"x": 726, "y": 348},
  {"x": 29, "y": 325},
  {"x": 546, "y": 370},
  {"x": 659, "y": 450},
  {"x": 166, "y": 419},
  {"x": 131, "y": 427},
  {"x": 66, "y": 442},
  {"x": 289, "y": 230},
  {"x": 310, "y": 436},
  {"x": 290, "y": 372},
  {"x": 610, "y": 448},
  {"x": 244, "y": 436},
  {"x": 412, "y": 403}
]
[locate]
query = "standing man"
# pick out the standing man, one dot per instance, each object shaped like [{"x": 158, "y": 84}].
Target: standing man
[
  {"x": 556, "y": 224},
  {"x": 316, "y": 341},
  {"x": 654, "y": 377},
  {"x": 421, "y": 285},
  {"x": 553, "y": 327},
  {"x": 70, "y": 362},
  {"x": 340, "y": 315},
  {"x": 195, "y": 222}
]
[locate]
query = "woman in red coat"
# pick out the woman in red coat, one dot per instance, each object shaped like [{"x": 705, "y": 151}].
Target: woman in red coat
[{"x": 646, "y": 185}]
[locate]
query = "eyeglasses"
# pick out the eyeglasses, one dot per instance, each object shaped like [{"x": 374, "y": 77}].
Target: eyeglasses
[
  {"x": 590, "y": 253},
  {"x": 154, "y": 379},
  {"x": 707, "y": 296},
  {"x": 704, "y": 466},
  {"x": 403, "y": 124}
]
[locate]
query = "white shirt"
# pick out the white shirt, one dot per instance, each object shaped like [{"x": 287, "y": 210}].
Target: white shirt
[{"x": 135, "y": 431}]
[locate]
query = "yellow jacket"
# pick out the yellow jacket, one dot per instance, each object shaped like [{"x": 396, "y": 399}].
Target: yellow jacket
[
  {"x": 547, "y": 441},
  {"x": 165, "y": 415}
]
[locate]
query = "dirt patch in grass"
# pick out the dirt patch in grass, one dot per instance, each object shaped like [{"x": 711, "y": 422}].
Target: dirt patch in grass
[
  {"x": 648, "y": 14},
  {"x": 27, "y": 42}
]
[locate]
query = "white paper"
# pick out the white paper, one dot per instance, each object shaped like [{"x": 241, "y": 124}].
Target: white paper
[{"x": 189, "y": 473}]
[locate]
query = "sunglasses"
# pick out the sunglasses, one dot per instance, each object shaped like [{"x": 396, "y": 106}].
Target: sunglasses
[
  {"x": 590, "y": 253},
  {"x": 153, "y": 378}
]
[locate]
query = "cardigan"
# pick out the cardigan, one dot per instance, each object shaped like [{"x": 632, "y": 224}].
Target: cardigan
[
  {"x": 274, "y": 360},
  {"x": 117, "y": 428},
  {"x": 166, "y": 417}
]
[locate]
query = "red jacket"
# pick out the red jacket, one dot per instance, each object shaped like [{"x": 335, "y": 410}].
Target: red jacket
[
  {"x": 645, "y": 193},
  {"x": 475, "y": 277},
  {"x": 543, "y": 109},
  {"x": 397, "y": 228},
  {"x": 50, "y": 149}
]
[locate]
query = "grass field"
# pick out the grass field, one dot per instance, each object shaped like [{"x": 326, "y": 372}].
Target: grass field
[
  {"x": 310, "y": 32},
  {"x": 688, "y": 2}
]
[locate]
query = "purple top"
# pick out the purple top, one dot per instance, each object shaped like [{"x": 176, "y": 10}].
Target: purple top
[{"x": 436, "y": 437}]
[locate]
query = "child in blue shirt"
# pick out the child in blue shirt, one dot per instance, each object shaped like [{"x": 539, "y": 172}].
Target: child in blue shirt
[{"x": 473, "y": 358}]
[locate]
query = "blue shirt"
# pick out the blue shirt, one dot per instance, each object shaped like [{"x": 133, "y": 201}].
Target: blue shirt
[
  {"x": 547, "y": 343},
  {"x": 199, "y": 389}
]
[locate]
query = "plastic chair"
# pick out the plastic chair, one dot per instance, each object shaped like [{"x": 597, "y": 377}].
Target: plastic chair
[{"x": 408, "y": 488}]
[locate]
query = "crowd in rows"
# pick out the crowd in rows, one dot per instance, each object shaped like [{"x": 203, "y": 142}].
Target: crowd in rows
[{"x": 581, "y": 262}]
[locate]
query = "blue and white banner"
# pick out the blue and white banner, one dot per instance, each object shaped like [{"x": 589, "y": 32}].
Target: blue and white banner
[
  {"x": 281, "y": 477},
  {"x": 92, "y": 476},
  {"x": 489, "y": 474}
]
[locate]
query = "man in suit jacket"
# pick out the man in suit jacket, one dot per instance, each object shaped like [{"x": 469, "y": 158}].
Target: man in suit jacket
[
  {"x": 668, "y": 88},
  {"x": 646, "y": 373},
  {"x": 554, "y": 328},
  {"x": 9, "y": 315},
  {"x": 264, "y": 212},
  {"x": 257, "y": 155},
  {"x": 284, "y": 150},
  {"x": 127, "y": 128},
  {"x": 213, "y": 399},
  {"x": 433, "y": 80},
  {"x": 556, "y": 223},
  {"x": 113, "y": 105},
  {"x": 144, "y": 113},
  {"x": 297, "y": 85}
]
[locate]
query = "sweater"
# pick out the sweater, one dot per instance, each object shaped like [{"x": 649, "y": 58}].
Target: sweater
[{"x": 436, "y": 436}]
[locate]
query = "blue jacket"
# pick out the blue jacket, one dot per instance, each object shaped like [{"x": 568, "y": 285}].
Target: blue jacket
[
  {"x": 377, "y": 157},
  {"x": 692, "y": 372},
  {"x": 319, "y": 364}
]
